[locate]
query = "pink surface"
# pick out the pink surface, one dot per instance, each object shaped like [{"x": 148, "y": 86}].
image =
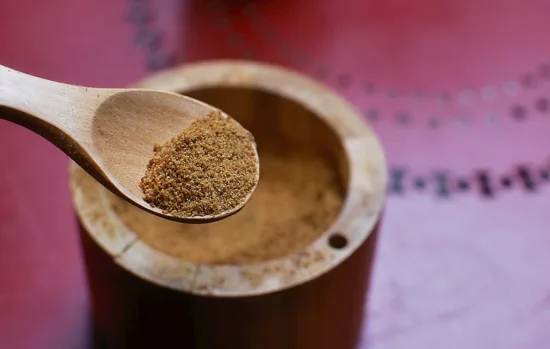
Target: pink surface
[{"x": 457, "y": 91}]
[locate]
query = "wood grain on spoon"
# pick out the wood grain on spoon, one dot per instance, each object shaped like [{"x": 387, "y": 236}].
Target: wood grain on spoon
[{"x": 110, "y": 133}]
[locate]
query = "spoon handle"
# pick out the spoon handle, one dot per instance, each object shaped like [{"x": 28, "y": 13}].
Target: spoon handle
[
  {"x": 31, "y": 97},
  {"x": 43, "y": 107}
]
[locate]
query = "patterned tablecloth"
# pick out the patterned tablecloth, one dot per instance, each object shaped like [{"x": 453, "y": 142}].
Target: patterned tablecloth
[{"x": 457, "y": 91}]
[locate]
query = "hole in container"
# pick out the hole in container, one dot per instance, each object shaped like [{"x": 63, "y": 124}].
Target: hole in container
[{"x": 337, "y": 241}]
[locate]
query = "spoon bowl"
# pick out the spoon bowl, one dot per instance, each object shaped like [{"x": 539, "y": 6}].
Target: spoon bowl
[{"x": 110, "y": 133}]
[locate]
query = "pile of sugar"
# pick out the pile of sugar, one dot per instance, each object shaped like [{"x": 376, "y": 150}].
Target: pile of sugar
[
  {"x": 297, "y": 198},
  {"x": 209, "y": 169}
]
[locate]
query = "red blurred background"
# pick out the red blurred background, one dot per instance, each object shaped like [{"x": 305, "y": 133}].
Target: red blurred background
[{"x": 457, "y": 91}]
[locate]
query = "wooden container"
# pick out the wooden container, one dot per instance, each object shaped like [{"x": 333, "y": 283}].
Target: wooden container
[{"x": 157, "y": 285}]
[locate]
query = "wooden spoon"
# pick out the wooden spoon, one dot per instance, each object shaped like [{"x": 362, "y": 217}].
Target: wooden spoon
[{"x": 110, "y": 133}]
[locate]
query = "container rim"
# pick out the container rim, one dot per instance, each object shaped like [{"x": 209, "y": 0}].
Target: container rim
[{"x": 361, "y": 211}]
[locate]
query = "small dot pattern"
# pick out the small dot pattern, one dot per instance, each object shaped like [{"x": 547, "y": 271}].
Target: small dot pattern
[{"x": 443, "y": 184}]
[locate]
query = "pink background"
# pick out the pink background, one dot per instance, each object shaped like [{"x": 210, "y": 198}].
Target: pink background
[{"x": 455, "y": 89}]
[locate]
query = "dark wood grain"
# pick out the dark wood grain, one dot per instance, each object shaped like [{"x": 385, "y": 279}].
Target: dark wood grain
[{"x": 131, "y": 313}]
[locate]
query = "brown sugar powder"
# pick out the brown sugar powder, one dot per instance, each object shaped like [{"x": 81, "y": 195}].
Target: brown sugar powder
[
  {"x": 209, "y": 169},
  {"x": 297, "y": 198}
]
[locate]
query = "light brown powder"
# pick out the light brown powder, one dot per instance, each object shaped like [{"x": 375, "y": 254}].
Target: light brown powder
[
  {"x": 297, "y": 198},
  {"x": 209, "y": 169}
]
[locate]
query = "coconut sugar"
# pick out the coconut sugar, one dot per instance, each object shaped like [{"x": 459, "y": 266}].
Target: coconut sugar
[
  {"x": 298, "y": 196},
  {"x": 209, "y": 169}
]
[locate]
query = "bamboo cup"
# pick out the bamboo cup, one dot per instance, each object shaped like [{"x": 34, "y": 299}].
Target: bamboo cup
[{"x": 314, "y": 298}]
